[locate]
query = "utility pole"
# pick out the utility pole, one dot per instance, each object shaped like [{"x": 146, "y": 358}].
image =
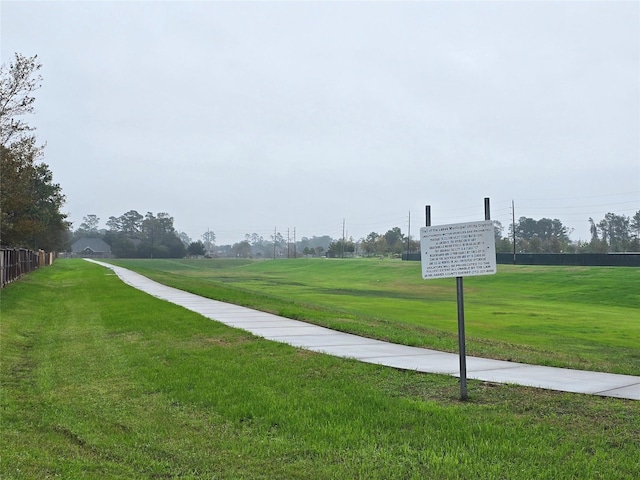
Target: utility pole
[
  {"x": 275, "y": 232},
  {"x": 409, "y": 235},
  {"x": 513, "y": 228},
  {"x": 343, "y": 238}
]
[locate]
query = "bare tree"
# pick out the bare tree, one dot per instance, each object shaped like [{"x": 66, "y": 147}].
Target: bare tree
[
  {"x": 209, "y": 239},
  {"x": 17, "y": 84}
]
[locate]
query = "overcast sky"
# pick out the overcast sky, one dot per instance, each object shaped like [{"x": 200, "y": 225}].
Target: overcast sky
[{"x": 242, "y": 117}]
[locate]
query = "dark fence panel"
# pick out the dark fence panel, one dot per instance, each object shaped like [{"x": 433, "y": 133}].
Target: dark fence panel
[
  {"x": 575, "y": 259},
  {"x": 15, "y": 262}
]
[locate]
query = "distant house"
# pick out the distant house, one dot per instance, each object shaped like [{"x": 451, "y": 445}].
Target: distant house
[{"x": 90, "y": 247}]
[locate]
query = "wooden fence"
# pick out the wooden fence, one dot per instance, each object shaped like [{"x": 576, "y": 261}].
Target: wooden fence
[{"x": 15, "y": 262}]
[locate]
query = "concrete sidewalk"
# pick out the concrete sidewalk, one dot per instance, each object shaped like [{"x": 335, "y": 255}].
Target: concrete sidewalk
[{"x": 320, "y": 339}]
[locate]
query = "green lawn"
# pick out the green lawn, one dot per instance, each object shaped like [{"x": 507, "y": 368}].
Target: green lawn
[
  {"x": 100, "y": 380},
  {"x": 580, "y": 317}
]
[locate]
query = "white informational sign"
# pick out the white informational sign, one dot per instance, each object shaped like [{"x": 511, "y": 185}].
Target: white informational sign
[{"x": 458, "y": 250}]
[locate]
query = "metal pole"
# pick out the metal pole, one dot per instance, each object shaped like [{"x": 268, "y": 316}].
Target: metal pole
[
  {"x": 461, "y": 340},
  {"x": 513, "y": 227},
  {"x": 342, "y": 256},
  {"x": 461, "y": 333},
  {"x": 409, "y": 235}
]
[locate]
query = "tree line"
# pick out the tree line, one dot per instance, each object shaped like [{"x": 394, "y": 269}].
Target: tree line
[
  {"x": 133, "y": 235},
  {"x": 614, "y": 233},
  {"x": 154, "y": 236}
]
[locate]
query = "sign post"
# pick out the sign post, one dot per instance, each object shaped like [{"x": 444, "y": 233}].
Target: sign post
[
  {"x": 459, "y": 250},
  {"x": 462, "y": 345}
]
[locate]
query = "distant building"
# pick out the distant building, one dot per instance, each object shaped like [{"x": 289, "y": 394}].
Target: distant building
[{"x": 91, "y": 247}]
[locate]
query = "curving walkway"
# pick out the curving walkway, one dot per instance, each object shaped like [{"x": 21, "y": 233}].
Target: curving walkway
[{"x": 320, "y": 339}]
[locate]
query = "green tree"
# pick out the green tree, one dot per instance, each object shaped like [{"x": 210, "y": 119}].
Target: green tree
[
  {"x": 595, "y": 245},
  {"x": 30, "y": 201},
  {"x": 131, "y": 223},
  {"x": 503, "y": 244},
  {"x": 159, "y": 239},
  {"x": 369, "y": 243},
  {"x": 173, "y": 244},
  {"x": 121, "y": 245},
  {"x": 541, "y": 236},
  {"x": 196, "y": 248},
  {"x": 90, "y": 224},
  {"x": 615, "y": 231},
  {"x": 381, "y": 245},
  {"x": 241, "y": 249},
  {"x": 114, "y": 225},
  {"x": 634, "y": 226},
  {"x": 395, "y": 240},
  {"x": 313, "y": 243},
  {"x": 593, "y": 228},
  {"x": 341, "y": 248},
  {"x": 151, "y": 236}
]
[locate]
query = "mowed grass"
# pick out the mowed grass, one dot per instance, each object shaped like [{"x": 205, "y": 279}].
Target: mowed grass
[
  {"x": 100, "y": 380},
  {"x": 578, "y": 317}
]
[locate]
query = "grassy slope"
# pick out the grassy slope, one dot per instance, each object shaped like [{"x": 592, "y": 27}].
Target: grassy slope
[
  {"x": 582, "y": 317},
  {"x": 102, "y": 381}
]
